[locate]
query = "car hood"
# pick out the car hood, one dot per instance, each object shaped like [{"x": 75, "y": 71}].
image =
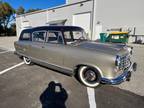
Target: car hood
[{"x": 103, "y": 47}]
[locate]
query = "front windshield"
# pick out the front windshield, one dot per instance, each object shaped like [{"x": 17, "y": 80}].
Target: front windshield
[{"x": 74, "y": 36}]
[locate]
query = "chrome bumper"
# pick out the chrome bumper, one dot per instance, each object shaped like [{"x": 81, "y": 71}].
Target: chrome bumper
[{"x": 123, "y": 77}]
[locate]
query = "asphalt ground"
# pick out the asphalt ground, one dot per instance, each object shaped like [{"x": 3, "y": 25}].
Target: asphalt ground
[
  {"x": 136, "y": 84},
  {"x": 1, "y": 50},
  {"x": 38, "y": 87}
]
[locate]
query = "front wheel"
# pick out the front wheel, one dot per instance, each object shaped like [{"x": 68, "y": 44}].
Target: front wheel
[
  {"x": 89, "y": 76},
  {"x": 27, "y": 60}
]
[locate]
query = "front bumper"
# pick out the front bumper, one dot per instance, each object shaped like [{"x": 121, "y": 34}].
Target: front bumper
[{"x": 123, "y": 77}]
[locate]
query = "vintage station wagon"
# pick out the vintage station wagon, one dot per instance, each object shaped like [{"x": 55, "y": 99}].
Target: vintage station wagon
[{"x": 67, "y": 50}]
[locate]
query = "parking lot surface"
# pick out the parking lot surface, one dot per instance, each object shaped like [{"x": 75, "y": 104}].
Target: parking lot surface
[
  {"x": 136, "y": 84},
  {"x": 1, "y": 50},
  {"x": 34, "y": 86}
]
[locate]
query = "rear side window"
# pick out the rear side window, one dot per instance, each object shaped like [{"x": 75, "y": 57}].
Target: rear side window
[
  {"x": 39, "y": 36},
  {"x": 25, "y": 36}
]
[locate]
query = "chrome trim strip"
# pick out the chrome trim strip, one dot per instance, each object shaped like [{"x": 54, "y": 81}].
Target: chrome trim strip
[
  {"x": 49, "y": 65},
  {"x": 117, "y": 80}
]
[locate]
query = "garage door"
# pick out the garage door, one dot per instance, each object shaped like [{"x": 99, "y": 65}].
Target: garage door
[{"x": 82, "y": 20}]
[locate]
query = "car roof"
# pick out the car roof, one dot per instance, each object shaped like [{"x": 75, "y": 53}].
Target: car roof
[{"x": 61, "y": 28}]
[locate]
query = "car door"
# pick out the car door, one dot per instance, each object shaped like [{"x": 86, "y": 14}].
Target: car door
[
  {"x": 54, "y": 47},
  {"x": 37, "y": 51}
]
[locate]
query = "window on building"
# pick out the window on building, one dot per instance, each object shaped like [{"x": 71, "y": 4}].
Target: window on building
[{"x": 115, "y": 37}]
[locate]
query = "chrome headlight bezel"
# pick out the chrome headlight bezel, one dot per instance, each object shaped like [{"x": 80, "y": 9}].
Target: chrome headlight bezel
[
  {"x": 117, "y": 60},
  {"x": 129, "y": 49}
]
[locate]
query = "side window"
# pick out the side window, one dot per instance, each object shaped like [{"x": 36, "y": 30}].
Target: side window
[
  {"x": 77, "y": 34},
  {"x": 25, "y": 36},
  {"x": 115, "y": 37},
  {"x": 55, "y": 37},
  {"x": 39, "y": 36},
  {"x": 67, "y": 35}
]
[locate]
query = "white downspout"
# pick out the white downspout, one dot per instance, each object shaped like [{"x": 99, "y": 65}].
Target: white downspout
[{"x": 94, "y": 19}]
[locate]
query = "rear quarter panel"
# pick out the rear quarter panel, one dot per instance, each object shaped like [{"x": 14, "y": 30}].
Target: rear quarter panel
[{"x": 22, "y": 47}]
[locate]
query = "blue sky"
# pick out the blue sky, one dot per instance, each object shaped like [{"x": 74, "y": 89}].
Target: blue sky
[{"x": 42, "y": 4}]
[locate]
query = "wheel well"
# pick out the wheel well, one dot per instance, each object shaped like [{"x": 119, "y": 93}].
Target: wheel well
[
  {"x": 21, "y": 57},
  {"x": 76, "y": 68},
  {"x": 92, "y": 67}
]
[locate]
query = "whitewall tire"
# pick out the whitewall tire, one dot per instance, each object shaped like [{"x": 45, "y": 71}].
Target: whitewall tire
[
  {"x": 27, "y": 60},
  {"x": 89, "y": 76}
]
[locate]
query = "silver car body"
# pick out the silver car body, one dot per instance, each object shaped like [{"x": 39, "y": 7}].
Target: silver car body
[{"x": 67, "y": 58}]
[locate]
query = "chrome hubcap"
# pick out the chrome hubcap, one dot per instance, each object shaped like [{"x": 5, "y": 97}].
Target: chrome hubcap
[
  {"x": 27, "y": 60},
  {"x": 90, "y": 76}
]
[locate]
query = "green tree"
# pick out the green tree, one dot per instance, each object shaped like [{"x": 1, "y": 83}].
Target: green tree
[
  {"x": 20, "y": 10},
  {"x": 1, "y": 30},
  {"x": 12, "y": 30},
  {"x": 7, "y": 15}
]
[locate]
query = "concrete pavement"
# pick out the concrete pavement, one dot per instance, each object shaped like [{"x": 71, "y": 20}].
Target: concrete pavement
[{"x": 38, "y": 87}]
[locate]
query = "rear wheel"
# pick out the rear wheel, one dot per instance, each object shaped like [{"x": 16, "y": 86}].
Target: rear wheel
[
  {"x": 89, "y": 76},
  {"x": 27, "y": 60}
]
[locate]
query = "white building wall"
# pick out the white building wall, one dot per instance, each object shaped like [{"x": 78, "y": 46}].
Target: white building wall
[
  {"x": 83, "y": 20},
  {"x": 37, "y": 19},
  {"x": 74, "y": 1},
  {"x": 58, "y": 13},
  {"x": 121, "y": 13},
  {"x": 31, "y": 20},
  {"x": 68, "y": 12},
  {"x": 107, "y": 14}
]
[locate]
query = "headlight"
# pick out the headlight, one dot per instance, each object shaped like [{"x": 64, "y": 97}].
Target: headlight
[
  {"x": 117, "y": 61},
  {"x": 129, "y": 49}
]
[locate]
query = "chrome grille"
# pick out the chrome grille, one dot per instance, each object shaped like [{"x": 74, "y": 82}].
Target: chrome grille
[{"x": 124, "y": 62}]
